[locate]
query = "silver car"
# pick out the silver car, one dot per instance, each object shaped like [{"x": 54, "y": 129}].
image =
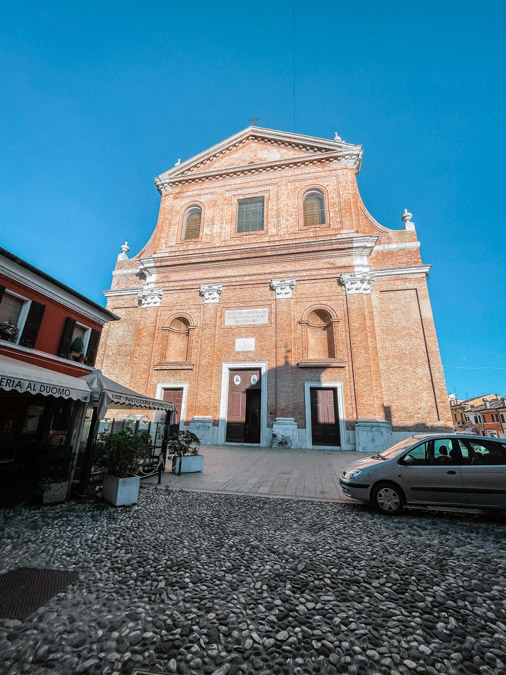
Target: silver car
[{"x": 452, "y": 470}]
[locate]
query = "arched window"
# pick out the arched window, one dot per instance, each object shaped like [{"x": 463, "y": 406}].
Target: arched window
[
  {"x": 177, "y": 344},
  {"x": 314, "y": 208},
  {"x": 320, "y": 335},
  {"x": 192, "y": 222}
]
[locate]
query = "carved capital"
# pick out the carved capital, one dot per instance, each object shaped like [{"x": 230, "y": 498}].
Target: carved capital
[
  {"x": 211, "y": 292},
  {"x": 283, "y": 287},
  {"x": 149, "y": 296},
  {"x": 357, "y": 282}
]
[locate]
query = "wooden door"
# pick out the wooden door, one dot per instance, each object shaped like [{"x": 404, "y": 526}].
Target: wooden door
[
  {"x": 324, "y": 417},
  {"x": 174, "y": 396},
  {"x": 243, "y": 416}
]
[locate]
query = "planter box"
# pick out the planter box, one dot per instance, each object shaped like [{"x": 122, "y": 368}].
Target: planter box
[
  {"x": 120, "y": 491},
  {"x": 55, "y": 493},
  {"x": 190, "y": 464}
]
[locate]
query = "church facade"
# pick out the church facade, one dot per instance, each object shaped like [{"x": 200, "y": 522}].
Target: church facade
[{"x": 271, "y": 307}]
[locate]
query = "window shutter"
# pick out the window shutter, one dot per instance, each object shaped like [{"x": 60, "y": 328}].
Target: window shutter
[
  {"x": 2, "y": 291},
  {"x": 91, "y": 353},
  {"x": 32, "y": 324},
  {"x": 192, "y": 225},
  {"x": 66, "y": 338},
  {"x": 314, "y": 209}
]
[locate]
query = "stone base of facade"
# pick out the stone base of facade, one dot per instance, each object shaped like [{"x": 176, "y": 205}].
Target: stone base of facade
[
  {"x": 286, "y": 426},
  {"x": 202, "y": 427},
  {"x": 372, "y": 435}
]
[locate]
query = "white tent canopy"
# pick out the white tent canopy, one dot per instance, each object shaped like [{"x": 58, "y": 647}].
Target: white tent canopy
[
  {"x": 25, "y": 378},
  {"x": 106, "y": 391}
]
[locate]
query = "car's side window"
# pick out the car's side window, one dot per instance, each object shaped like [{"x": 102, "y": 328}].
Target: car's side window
[
  {"x": 463, "y": 449},
  {"x": 443, "y": 452},
  {"x": 485, "y": 453},
  {"x": 419, "y": 455}
]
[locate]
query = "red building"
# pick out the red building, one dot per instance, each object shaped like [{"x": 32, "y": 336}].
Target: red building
[{"x": 49, "y": 336}]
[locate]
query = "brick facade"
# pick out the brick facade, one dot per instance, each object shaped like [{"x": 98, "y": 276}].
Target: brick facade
[{"x": 337, "y": 302}]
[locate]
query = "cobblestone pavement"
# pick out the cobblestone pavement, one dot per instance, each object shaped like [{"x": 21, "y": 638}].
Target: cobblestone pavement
[
  {"x": 280, "y": 472},
  {"x": 193, "y": 582}
]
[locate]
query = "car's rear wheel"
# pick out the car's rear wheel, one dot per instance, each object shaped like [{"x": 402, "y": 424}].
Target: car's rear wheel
[{"x": 387, "y": 498}]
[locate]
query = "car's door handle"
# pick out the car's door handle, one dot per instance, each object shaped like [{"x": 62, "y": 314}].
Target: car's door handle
[{"x": 452, "y": 473}]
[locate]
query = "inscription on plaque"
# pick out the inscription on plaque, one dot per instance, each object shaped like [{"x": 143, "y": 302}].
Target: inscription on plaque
[{"x": 246, "y": 317}]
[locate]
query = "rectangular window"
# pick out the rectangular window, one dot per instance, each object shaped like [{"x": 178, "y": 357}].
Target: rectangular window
[
  {"x": 13, "y": 311},
  {"x": 250, "y": 214},
  {"x": 79, "y": 340}
]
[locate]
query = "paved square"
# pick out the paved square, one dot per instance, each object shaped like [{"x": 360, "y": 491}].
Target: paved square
[{"x": 275, "y": 472}]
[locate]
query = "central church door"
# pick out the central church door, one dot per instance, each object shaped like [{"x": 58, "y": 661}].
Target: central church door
[{"x": 244, "y": 399}]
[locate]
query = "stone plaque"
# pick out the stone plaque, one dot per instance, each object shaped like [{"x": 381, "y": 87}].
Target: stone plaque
[
  {"x": 246, "y": 317},
  {"x": 245, "y": 345}
]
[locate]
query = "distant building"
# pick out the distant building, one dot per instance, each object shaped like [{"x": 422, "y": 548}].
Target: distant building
[
  {"x": 483, "y": 415},
  {"x": 269, "y": 303},
  {"x": 49, "y": 337}
]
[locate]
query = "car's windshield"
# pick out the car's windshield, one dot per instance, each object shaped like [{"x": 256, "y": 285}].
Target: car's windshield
[{"x": 398, "y": 447}]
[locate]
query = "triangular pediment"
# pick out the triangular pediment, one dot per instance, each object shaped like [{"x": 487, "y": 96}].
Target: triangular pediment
[{"x": 255, "y": 145}]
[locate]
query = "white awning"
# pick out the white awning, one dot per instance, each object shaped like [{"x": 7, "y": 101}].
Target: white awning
[
  {"x": 106, "y": 391},
  {"x": 25, "y": 378}
]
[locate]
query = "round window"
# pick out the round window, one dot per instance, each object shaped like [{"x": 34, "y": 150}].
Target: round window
[
  {"x": 254, "y": 379},
  {"x": 237, "y": 379}
]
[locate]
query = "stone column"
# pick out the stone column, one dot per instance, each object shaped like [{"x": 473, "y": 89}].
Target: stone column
[
  {"x": 372, "y": 431},
  {"x": 201, "y": 424},
  {"x": 284, "y": 381}
]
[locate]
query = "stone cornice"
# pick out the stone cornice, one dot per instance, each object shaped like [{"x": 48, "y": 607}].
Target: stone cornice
[
  {"x": 337, "y": 246},
  {"x": 122, "y": 292},
  {"x": 346, "y": 157},
  {"x": 415, "y": 270}
]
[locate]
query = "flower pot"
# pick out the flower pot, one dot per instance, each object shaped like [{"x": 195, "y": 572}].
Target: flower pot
[
  {"x": 121, "y": 491},
  {"x": 55, "y": 493},
  {"x": 189, "y": 463}
]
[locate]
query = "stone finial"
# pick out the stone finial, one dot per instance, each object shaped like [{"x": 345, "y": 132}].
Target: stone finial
[
  {"x": 178, "y": 162},
  {"x": 406, "y": 219},
  {"x": 283, "y": 287},
  {"x": 337, "y": 137},
  {"x": 406, "y": 216},
  {"x": 211, "y": 292},
  {"x": 124, "y": 250}
]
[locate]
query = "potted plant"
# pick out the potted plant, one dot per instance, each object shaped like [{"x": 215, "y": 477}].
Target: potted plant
[
  {"x": 120, "y": 456},
  {"x": 183, "y": 446},
  {"x": 77, "y": 349},
  {"x": 53, "y": 468},
  {"x": 8, "y": 330}
]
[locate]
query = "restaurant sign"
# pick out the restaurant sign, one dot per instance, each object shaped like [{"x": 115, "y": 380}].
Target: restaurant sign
[{"x": 23, "y": 386}]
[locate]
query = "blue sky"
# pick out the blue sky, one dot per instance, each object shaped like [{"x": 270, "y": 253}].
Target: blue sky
[{"x": 97, "y": 98}]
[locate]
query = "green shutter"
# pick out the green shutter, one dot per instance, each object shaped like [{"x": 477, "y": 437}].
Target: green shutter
[
  {"x": 66, "y": 338},
  {"x": 91, "y": 352},
  {"x": 32, "y": 324}
]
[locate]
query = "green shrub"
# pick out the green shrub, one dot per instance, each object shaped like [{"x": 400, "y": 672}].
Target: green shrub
[
  {"x": 183, "y": 443},
  {"x": 120, "y": 454}
]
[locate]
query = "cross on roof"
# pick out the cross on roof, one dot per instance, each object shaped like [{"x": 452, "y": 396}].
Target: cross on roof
[{"x": 254, "y": 119}]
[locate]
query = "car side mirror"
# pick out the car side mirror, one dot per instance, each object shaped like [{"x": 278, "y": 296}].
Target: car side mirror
[{"x": 407, "y": 460}]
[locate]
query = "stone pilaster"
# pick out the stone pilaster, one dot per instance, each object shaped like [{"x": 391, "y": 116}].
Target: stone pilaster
[
  {"x": 204, "y": 393},
  {"x": 284, "y": 423},
  {"x": 369, "y": 408}
]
